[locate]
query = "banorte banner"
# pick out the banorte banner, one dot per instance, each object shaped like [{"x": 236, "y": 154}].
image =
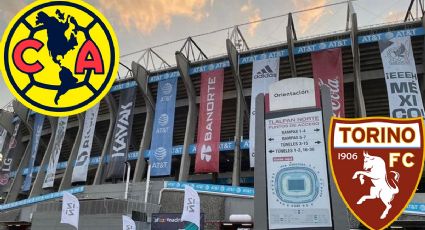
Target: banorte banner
[
  {"x": 162, "y": 134},
  {"x": 56, "y": 151},
  {"x": 404, "y": 95},
  {"x": 122, "y": 134},
  {"x": 35, "y": 140},
  {"x": 209, "y": 122},
  {"x": 264, "y": 72},
  {"x": 9, "y": 157},
  {"x": 79, "y": 173},
  {"x": 327, "y": 70}
]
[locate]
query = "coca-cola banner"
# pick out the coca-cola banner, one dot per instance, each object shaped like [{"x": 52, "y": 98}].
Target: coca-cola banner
[
  {"x": 264, "y": 72},
  {"x": 327, "y": 70},
  {"x": 209, "y": 122},
  {"x": 9, "y": 157},
  {"x": 404, "y": 95}
]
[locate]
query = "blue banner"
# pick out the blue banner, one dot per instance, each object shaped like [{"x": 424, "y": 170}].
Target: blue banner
[
  {"x": 162, "y": 136},
  {"x": 38, "y": 127},
  {"x": 212, "y": 188}
]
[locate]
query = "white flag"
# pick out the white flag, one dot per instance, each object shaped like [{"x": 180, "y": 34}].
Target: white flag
[
  {"x": 128, "y": 223},
  {"x": 192, "y": 206},
  {"x": 70, "y": 210}
]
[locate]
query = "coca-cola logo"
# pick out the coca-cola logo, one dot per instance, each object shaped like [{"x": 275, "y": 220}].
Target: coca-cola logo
[{"x": 333, "y": 85}]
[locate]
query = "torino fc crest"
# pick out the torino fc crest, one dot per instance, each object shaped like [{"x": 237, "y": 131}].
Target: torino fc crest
[{"x": 376, "y": 164}]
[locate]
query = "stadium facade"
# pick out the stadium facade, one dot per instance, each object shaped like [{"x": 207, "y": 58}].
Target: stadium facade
[{"x": 225, "y": 182}]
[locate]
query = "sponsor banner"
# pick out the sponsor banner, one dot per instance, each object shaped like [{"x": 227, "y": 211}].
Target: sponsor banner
[
  {"x": 162, "y": 136},
  {"x": 211, "y": 188},
  {"x": 415, "y": 209},
  {"x": 3, "y": 135},
  {"x": 191, "y": 206},
  {"x": 291, "y": 93},
  {"x": 79, "y": 173},
  {"x": 209, "y": 122},
  {"x": 70, "y": 210},
  {"x": 35, "y": 140},
  {"x": 404, "y": 95},
  {"x": 327, "y": 70},
  {"x": 264, "y": 73},
  {"x": 39, "y": 199},
  {"x": 128, "y": 223},
  {"x": 122, "y": 134},
  {"x": 56, "y": 151},
  {"x": 297, "y": 176},
  {"x": 172, "y": 221},
  {"x": 9, "y": 157}
]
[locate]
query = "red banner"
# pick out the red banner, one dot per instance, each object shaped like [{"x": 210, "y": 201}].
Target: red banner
[
  {"x": 209, "y": 122},
  {"x": 327, "y": 70}
]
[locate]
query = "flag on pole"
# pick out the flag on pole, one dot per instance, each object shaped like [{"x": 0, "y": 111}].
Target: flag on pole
[
  {"x": 192, "y": 206},
  {"x": 128, "y": 223},
  {"x": 70, "y": 210}
]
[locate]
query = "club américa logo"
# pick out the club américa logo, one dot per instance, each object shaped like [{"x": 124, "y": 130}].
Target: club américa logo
[{"x": 59, "y": 58}]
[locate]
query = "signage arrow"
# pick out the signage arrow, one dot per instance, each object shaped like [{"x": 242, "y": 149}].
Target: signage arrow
[
  {"x": 271, "y": 139},
  {"x": 318, "y": 142},
  {"x": 271, "y": 151},
  {"x": 317, "y": 130}
]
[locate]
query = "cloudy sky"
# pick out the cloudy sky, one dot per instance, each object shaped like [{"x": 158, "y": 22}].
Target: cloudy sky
[{"x": 140, "y": 24}]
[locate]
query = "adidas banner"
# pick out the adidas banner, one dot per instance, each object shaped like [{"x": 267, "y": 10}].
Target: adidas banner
[
  {"x": 79, "y": 173},
  {"x": 264, "y": 72},
  {"x": 56, "y": 151},
  {"x": 9, "y": 157},
  {"x": 404, "y": 96},
  {"x": 327, "y": 70},
  {"x": 162, "y": 136},
  {"x": 122, "y": 133},
  {"x": 209, "y": 122},
  {"x": 35, "y": 140}
]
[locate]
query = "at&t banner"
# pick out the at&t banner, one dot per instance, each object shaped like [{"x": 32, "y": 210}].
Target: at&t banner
[
  {"x": 82, "y": 163},
  {"x": 35, "y": 140},
  {"x": 404, "y": 96},
  {"x": 209, "y": 122},
  {"x": 122, "y": 133},
  {"x": 264, "y": 72},
  {"x": 327, "y": 70},
  {"x": 162, "y": 137}
]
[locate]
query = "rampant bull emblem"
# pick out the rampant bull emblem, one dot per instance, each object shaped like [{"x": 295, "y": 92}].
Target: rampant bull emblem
[
  {"x": 381, "y": 184},
  {"x": 376, "y": 164}
]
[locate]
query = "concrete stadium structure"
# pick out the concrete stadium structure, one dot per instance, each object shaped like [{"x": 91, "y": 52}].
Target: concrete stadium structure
[{"x": 102, "y": 201}]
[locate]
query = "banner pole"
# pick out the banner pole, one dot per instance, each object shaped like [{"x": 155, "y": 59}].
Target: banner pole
[
  {"x": 127, "y": 182},
  {"x": 148, "y": 181}
]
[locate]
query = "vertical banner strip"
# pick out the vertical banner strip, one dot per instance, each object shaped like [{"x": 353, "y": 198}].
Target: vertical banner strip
[
  {"x": 209, "y": 122},
  {"x": 35, "y": 140},
  {"x": 79, "y": 173},
  {"x": 264, "y": 72},
  {"x": 327, "y": 70},
  {"x": 163, "y": 126},
  {"x": 404, "y": 96},
  {"x": 56, "y": 151},
  {"x": 122, "y": 134},
  {"x": 9, "y": 157},
  {"x": 3, "y": 135}
]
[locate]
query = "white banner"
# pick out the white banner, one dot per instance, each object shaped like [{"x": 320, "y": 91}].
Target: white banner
[
  {"x": 56, "y": 150},
  {"x": 79, "y": 173},
  {"x": 128, "y": 223},
  {"x": 3, "y": 135},
  {"x": 70, "y": 210},
  {"x": 264, "y": 72},
  {"x": 192, "y": 206},
  {"x": 297, "y": 175},
  {"x": 404, "y": 95}
]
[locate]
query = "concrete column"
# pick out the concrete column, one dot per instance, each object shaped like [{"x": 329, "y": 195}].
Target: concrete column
[
  {"x": 141, "y": 75},
  {"x": 359, "y": 103},
  {"x": 37, "y": 187},
  {"x": 183, "y": 66},
  {"x": 112, "y": 106},
  {"x": 260, "y": 178},
  {"x": 23, "y": 113},
  {"x": 6, "y": 121},
  {"x": 290, "y": 42},
  {"x": 240, "y": 110},
  {"x": 339, "y": 210},
  {"x": 66, "y": 179}
]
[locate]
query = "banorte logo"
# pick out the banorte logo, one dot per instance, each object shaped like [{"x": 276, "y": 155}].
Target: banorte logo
[{"x": 59, "y": 58}]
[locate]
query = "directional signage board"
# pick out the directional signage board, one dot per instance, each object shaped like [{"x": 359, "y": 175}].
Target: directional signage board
[{"x": 297, "y": 178}]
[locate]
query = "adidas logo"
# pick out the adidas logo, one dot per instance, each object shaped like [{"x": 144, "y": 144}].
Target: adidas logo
[{"x": 266, "y": 72}]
